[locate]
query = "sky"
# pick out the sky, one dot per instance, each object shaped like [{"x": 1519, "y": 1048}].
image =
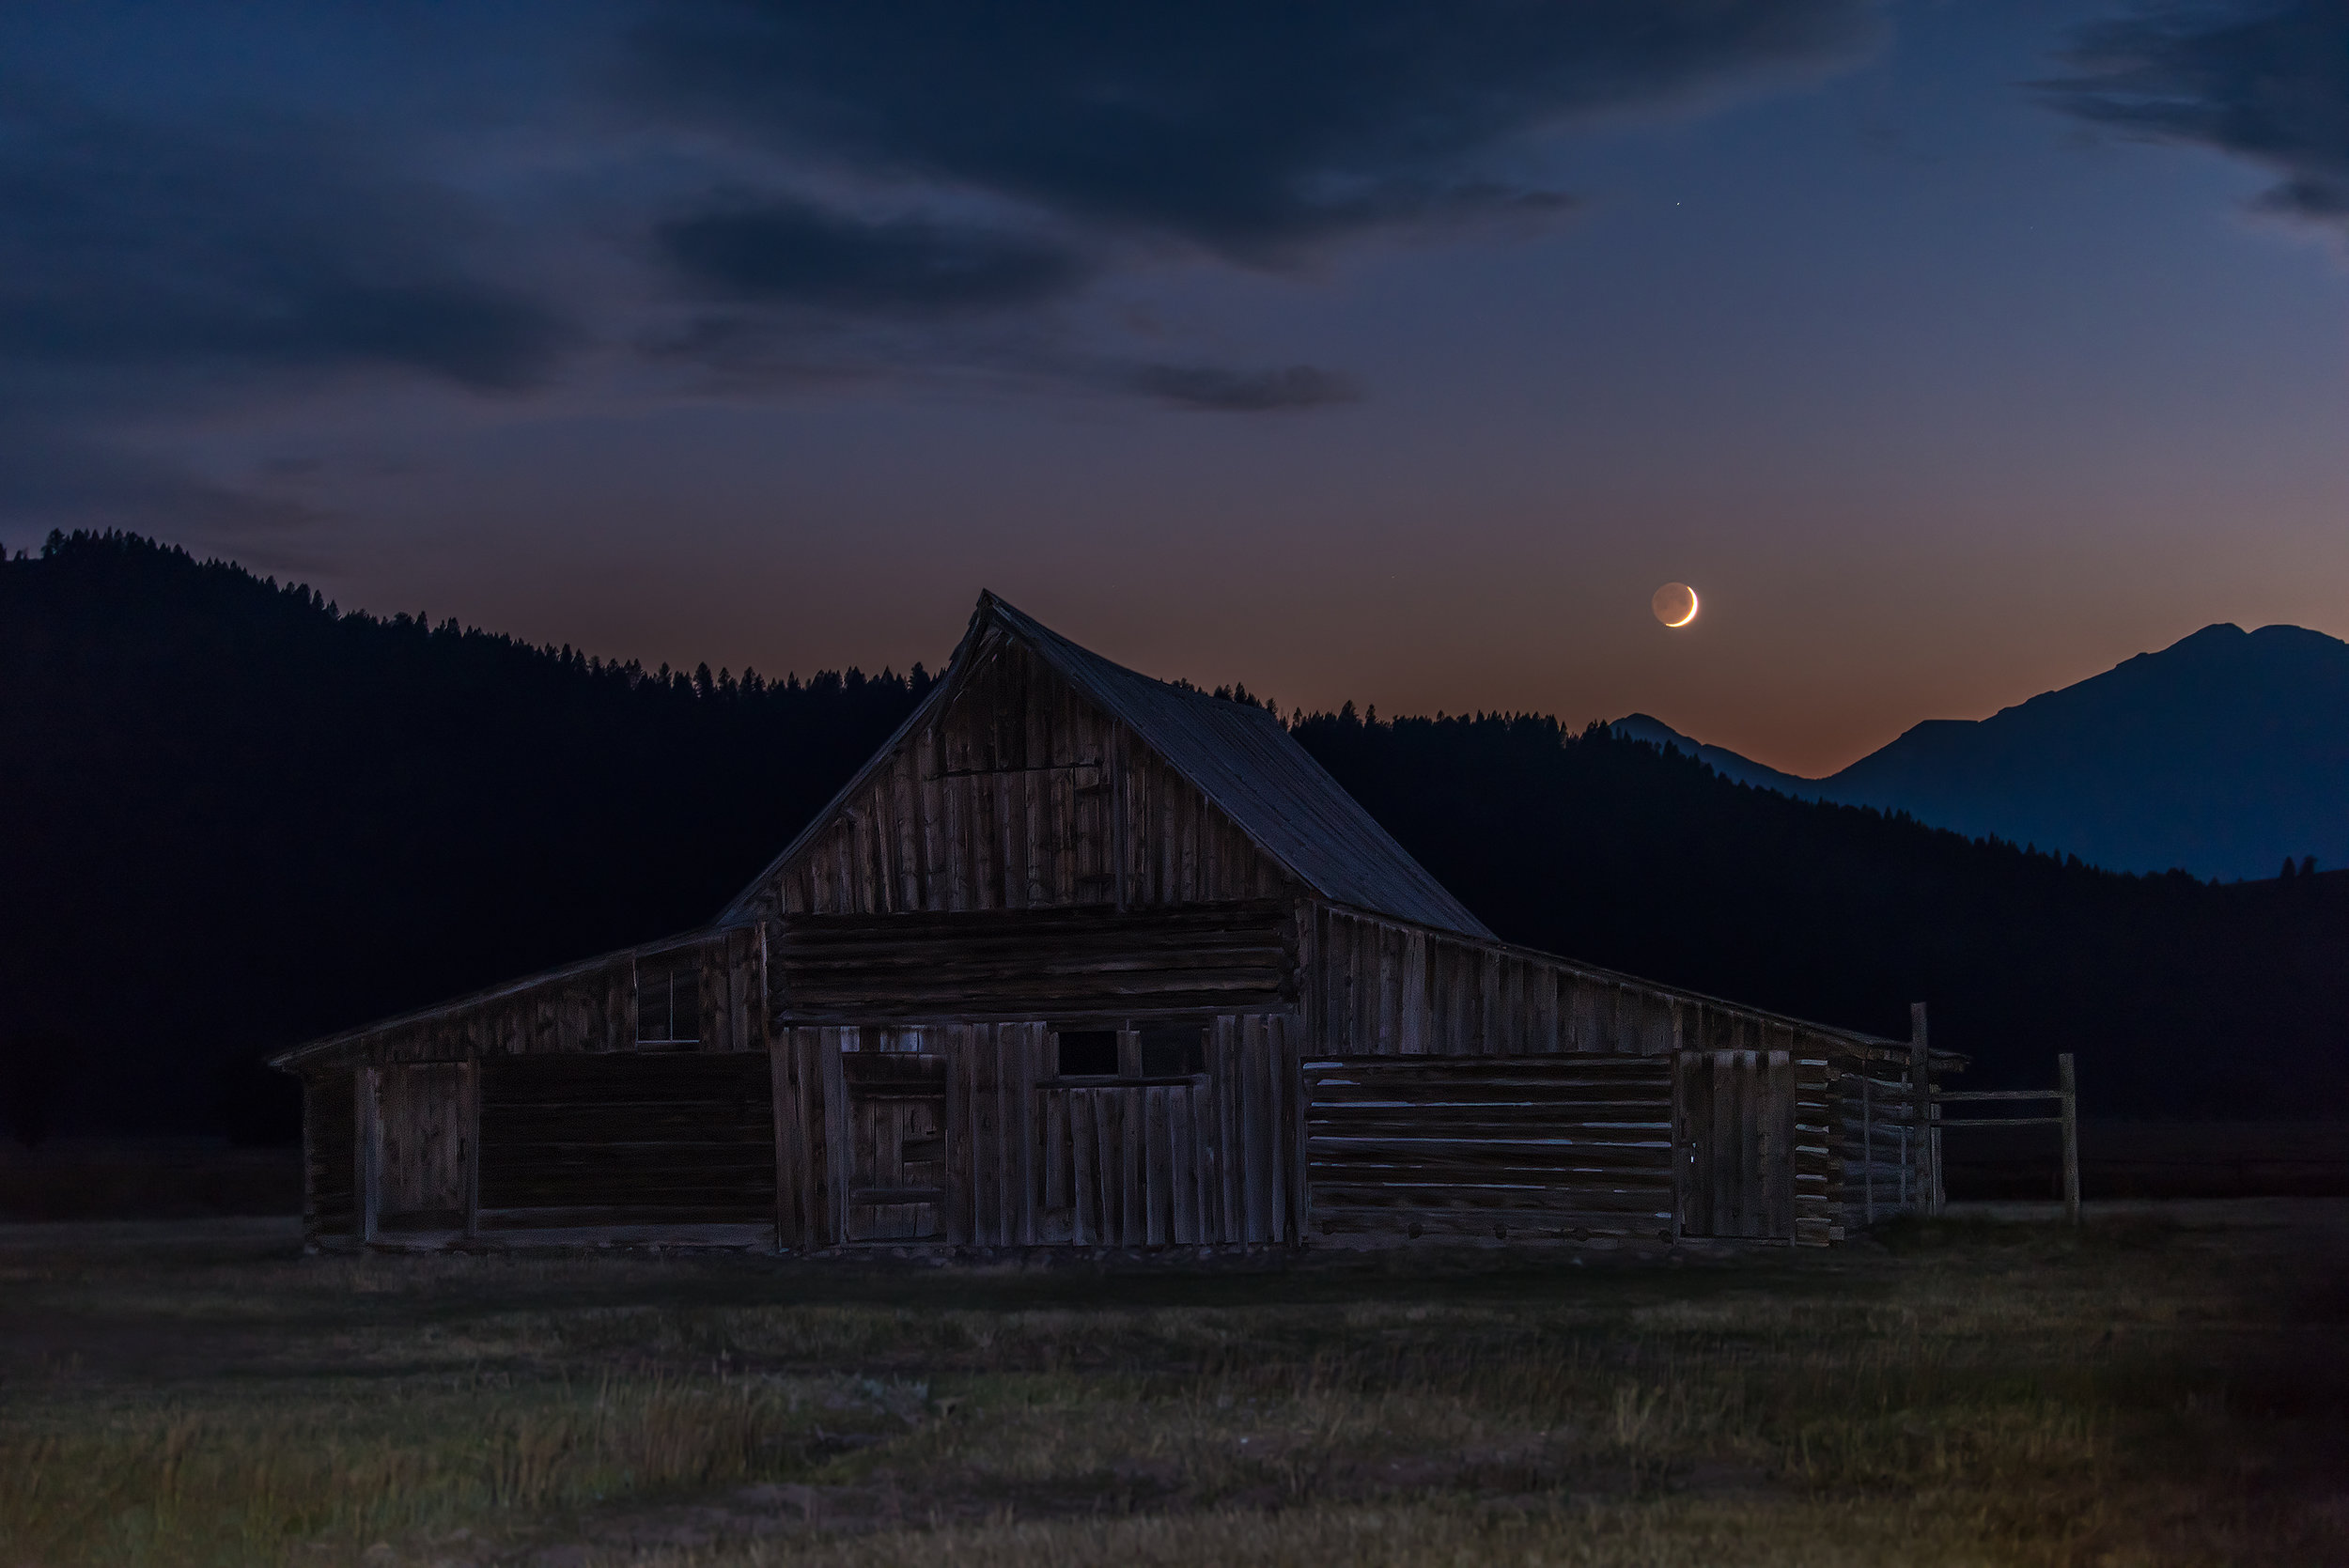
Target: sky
[{"x": 1392, "y": 352}]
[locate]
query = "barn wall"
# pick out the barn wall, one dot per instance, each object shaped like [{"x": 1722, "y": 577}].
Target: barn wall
[
  {"x": 1720, "y": 1145},
  {"x": 1021, "y": 794},
  {"x": 426, "y": 1118},
  {"x": 1025, "y": 1158},
  {"x": 1560, "y": 1146},
  {"x": 330, "y": 1155},
  {"x": 588, "y": 1007},
  {"x": 409, "y": 1094},
  {"x": 1380, "y": 987},
  {"x": 649, "y": 1139},
  {"x": 1024, "y": 964}
]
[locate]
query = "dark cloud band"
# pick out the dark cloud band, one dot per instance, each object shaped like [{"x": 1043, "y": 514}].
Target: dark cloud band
[
  {"x": 1228, "y": 391},
  {"x": 2266, "y": 83},
  {"x": 789, "y": 252},
  {"x": 1249, "y": 129},
  {"x": 147, "y": 247}
]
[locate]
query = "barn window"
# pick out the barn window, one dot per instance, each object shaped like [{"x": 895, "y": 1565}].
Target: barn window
[
  {"x": 668, "y": 1003},
  {"x": 1159, "y": 1050},
  {"x": 1173, "y": 1051},
  {"x": 1088, "y": 1053}
]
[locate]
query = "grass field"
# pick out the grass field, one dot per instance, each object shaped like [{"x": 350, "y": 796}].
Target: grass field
[{"x": 2170, "y": 1388}]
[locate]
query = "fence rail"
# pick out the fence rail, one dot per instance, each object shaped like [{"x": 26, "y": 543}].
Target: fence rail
[{"x": 2065, "y": 1094}]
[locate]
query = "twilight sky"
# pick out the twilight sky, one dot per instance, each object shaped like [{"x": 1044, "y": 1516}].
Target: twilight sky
[{"x": 1393, "y": 350}]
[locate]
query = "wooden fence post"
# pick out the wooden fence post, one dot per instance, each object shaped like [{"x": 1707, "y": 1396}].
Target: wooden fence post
[
  {"x": 1927, "y": 1145},
  {"x": 1867, "y": 1147},
  {"x": 2070, "y": 1138}
]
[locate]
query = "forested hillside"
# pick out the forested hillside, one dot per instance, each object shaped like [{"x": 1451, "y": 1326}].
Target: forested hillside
[{"x": 237, "y": 817}]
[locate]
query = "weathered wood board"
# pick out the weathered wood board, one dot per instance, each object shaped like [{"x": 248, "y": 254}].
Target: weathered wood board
[
  {"x": 896, "y": 1145},
  {"x": 1735, "y": 1116},
  {"x": 329, "y": 1156},
  {"x": 1555, "y": 1146},
  {"x": 631, "y": 1138},
  {"x": 1017, "y": 965},
  {"x": 1022, "y": 794},
  {"x": 427, "y": 1145}
]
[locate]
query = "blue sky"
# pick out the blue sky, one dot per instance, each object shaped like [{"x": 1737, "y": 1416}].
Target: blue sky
[{"x": 1392, "y": 352}]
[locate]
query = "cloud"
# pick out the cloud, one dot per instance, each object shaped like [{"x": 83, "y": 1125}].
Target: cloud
[
  {"x": 1251, "y": 130},
  {"x": 787, "y": 252},
  {"x": 55, "y": 477},
  {"x": 2269, "y": 83},
  {"x": 765, "y": 193},
  {"x": 142, "y": 249},
  {"x": 1228, "y": 391}
]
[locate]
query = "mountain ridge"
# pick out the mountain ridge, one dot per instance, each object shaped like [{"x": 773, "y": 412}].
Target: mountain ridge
[{"x": 2221, "y": 753}]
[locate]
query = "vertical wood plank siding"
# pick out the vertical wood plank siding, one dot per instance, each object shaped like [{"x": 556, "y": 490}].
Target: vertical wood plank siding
[
  {"x": 1737, "y": 1134},
  {"x": 1020, "y": 795},
  {"x": 1031, "y": 1158},
  {"x": 427, "y": 1130}
]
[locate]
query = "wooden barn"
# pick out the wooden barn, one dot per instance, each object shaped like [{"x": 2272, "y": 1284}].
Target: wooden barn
[{"x": 1084, "y": 959}]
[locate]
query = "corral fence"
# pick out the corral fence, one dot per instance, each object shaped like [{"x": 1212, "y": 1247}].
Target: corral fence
[{"x": 2065, "y": 1095}]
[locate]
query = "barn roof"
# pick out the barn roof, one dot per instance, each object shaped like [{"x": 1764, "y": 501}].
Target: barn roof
[{"x": 1239, "y": 756}]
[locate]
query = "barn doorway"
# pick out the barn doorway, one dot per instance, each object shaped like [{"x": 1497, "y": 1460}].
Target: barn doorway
[
  {"x": 897, "y": 1138},
  {"x": 1734, "y": 1115},
  {"x": 423, "y": 1118}
]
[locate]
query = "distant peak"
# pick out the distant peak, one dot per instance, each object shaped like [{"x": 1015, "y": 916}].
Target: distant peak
[
  {"x": 1646, "y": 726},
  {"x": 2226, "y": 641}
]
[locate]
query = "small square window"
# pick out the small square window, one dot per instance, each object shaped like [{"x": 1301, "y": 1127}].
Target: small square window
[
  {"x": 1173, "y": 1051},
  {"x": 1088, "y": 1053}
]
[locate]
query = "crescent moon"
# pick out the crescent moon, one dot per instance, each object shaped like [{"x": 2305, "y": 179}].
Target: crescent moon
[{"x": 1692, "y": 611}]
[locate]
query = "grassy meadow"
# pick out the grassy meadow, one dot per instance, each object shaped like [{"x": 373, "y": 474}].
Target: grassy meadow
[{"x": 2167, "y": 1387}]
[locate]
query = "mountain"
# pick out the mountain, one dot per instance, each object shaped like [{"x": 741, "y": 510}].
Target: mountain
[
  {"x": 2222, "y": 754},
  {"x": 1728, "y": 764}
]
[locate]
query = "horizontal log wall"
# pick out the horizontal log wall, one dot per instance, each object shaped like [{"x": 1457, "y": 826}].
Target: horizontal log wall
[
  {"x": 656, "y": 1138},
  {"x": 1021, "y": 794},
  {"x": 1025, "y": 963},
  {"x": 1524, "y": 1147}
]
